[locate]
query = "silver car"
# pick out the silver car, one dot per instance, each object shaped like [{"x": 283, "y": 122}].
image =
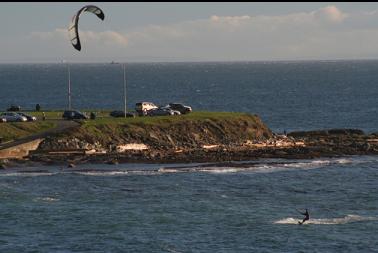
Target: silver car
[
  {"x": 28, "y": 117},
  {"x": 13, "y": 117}
]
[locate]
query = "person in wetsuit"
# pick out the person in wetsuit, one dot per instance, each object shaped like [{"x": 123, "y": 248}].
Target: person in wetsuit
[{"x": 307, "y": 217}]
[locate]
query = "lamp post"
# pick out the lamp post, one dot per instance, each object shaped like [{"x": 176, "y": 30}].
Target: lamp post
[
  {"x": 124, "y": 86},
  {"x": 69, "y": 86}
]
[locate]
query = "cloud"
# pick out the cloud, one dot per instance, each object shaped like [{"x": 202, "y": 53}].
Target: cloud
[
  {"x": 106, "y": 38},
  {"x": 230, "y": 20},
  {"x": 324, "y": 33},
  {"x": 330, "y": 14}
]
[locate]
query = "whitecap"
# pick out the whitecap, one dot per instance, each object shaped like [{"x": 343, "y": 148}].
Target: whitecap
[
  {"x": 344, "y": 161},
  {"x": 167, "y": 170},
  {"x": 102, "y": 173},
  {"x": 26, "y": 174},
  {"x": 221, "y": 170},
  {"x": 327, "y": 221},
  {"x": 47, "y": 199}
]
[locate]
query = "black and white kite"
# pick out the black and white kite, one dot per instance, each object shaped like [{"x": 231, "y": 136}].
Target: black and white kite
[{"x": 73, "y": 29}]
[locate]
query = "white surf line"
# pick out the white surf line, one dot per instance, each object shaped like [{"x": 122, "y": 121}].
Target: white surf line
[{"x": 327, "y": 221}]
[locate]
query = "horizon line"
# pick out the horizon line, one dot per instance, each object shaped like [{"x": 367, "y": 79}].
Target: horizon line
[{"x": 190, "y": 61}]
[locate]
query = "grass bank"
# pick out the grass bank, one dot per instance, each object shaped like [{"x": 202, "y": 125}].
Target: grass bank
[
  {"x": 15, "y": 130},
  {"x": 190, "y": 130}
]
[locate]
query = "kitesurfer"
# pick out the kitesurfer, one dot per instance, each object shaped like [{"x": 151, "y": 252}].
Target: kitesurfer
[{"x": 307, "y": 217}]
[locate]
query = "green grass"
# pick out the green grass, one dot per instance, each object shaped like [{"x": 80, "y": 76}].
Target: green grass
[
  {"x": 101, "y": 127},
  {"x": 11, "y": 131},
  {"x": 15, "y": 130},
  {"x": 159, "y": 120},
  {"x": 102, "y": 116},
  {"x": 58, "y": 113}
]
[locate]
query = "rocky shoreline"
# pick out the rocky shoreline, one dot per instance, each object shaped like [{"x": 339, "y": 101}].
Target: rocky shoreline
[
  {"x": 296, "y": 145},
  {"x": 243, "y": 139}
]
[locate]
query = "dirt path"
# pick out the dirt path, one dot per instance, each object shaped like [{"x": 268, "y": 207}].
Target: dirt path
[{"x": 61, "y": 126}]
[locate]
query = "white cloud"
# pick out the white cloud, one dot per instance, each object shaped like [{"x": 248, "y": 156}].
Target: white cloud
[
  {"x": 330, "y": 14},
  {"x": 109, "y": 38},
  {"x": 321, "y": 34}
]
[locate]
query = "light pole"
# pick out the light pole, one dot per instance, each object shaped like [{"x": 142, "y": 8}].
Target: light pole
[
  {"x": 124, "y": 86},
  {"x": 69, "y": 86}
]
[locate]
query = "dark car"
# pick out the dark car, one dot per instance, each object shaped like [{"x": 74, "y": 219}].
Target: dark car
[
  {"x": 14, "y": 108},
  {"x": 27, "y": 116},
  {"x": 162, "y": 111},
  {"x": 74, "y": 115},
  {"x": 119, "y": 114},
  {"x": 183, "y": 109}
]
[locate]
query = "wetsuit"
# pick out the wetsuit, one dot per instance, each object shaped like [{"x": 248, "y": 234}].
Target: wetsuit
[{"x": 307, "y": 217}]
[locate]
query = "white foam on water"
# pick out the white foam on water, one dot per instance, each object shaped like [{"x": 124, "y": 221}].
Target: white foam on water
[
  {"x": 102, "y": 173},
  {"x": 306, "y": 165},
  {"x": 168, "y": 170},
  {"x": 331, "y": 221},
  {"x": 119, "y": 173},
  {"x": 255, "y": 167},
  {"x": 218, "y": 170},
  {"x": 27, "y": 174},
  {"x": 259, "y": 168},
  {"x": 46, "y": 199},
  {"x": 344, "y": 161}
]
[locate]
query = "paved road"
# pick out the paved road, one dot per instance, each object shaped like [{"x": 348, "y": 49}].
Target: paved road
[{"x": 61, "y": 126}]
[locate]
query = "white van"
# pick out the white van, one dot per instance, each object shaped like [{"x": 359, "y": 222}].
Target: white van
[{"x": 142, "y": 107}]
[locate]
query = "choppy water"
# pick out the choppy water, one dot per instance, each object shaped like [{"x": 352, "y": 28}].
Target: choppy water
[
  {"x": 287, "y": 95},
  {"x": 249, "y": 207},
  {"x": 239, "y": 207}
]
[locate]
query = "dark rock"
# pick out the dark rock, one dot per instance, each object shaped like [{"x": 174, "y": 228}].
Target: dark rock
[
  {"x": 346, "y": 131},
  {"x": 113, "y": 162},
  {"x": 366, "y": 146}
]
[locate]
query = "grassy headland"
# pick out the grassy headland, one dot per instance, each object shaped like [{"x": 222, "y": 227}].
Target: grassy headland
[
  {"x": 15, "y": 130},
  {"x": 165, "y": 132}
]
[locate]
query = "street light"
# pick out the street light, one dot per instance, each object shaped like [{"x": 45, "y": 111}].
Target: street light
[{"x": 124, "y": 86}]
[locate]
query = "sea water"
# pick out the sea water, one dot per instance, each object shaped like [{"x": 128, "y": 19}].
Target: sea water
[
  {"x": 192, "y": 207},
  {"x": 286, "y": 95},
  {"x": 247, "y": 206}
]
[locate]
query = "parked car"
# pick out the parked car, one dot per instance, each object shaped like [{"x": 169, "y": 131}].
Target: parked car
[
  {"x": 121, "y": 114},
  {"x": 13, "y": 117},
  {"x": 14, "y": 108},
  {"x": 170, "y": 109},
  {"x": 184, "y": 109},
  {"x": 28, "y": 117},
  {"x": 69, "y": 114},
  {"x": 161, "y": 112},
  {"x": 143, "y": 107}
]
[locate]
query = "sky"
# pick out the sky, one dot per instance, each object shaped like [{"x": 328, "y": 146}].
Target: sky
[{"x": 190, "y": 31}]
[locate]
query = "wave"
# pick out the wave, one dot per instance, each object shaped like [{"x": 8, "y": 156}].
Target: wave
[
  {"x": 117, "y": 172},
  {"x": 101, "y": 173},
  {"x": 214, "y": 168},
  {"x": 267, "y": 166},
  {"x": 46, "y": 199},
  {"x": 27, "y": 174},
  {"x": 330, "y": 221},
  {"x": 222, "y": 170}
]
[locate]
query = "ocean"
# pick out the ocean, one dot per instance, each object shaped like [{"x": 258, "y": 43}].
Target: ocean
[
  {"x": 247, "y": 206},
  {"x": 286, "y": 95}
]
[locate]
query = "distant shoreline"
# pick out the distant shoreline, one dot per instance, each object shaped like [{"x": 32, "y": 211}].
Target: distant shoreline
[{"x": 115, "y": 62}]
